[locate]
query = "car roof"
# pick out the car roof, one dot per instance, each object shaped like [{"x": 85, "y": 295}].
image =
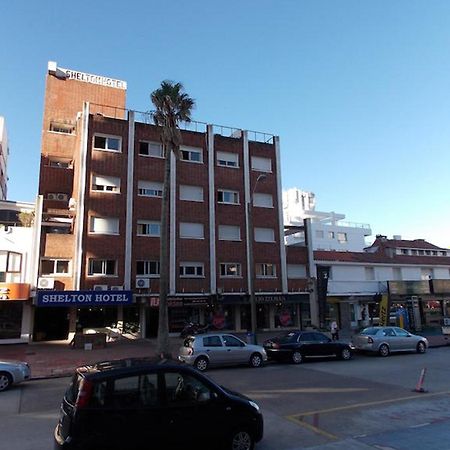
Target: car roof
[{"x": 126, "y": 366}]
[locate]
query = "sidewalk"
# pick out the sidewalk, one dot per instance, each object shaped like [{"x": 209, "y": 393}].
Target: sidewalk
[{"x": 58, "y": 358}]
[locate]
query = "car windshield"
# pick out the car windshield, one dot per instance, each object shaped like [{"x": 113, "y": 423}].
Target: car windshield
[
  {"x": 370, "y": 331},
  {"x": 288, "y": 338}
]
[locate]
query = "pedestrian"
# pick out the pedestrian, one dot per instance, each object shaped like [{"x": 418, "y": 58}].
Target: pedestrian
[{"x": 334, "y": 331}]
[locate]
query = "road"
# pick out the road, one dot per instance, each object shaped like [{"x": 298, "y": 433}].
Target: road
[{"x": 366, "y": 403}]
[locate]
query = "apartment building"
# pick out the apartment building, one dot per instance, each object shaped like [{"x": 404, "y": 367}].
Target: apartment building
[
  {"x": 414, "y": 274},
  {"x": 100, "y": 184},
  {"x": 4, "y": 153}
]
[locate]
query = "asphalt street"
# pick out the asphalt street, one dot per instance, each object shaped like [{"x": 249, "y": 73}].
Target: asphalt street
[{"x": 365, "y": 403}]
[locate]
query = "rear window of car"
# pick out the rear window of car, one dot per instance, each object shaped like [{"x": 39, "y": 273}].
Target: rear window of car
[
  {"x": 370, "y": 331},
  {"x": 189, "y": 342},
  {"x": 72, "y": 391}
]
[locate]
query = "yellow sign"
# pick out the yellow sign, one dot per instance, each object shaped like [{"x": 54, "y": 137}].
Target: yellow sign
[
  {"x": 14, "y": 291},
  {"x": 384, "y": 311}
]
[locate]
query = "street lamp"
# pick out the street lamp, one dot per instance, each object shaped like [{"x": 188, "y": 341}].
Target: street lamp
[{"x": 251, "y": 268}]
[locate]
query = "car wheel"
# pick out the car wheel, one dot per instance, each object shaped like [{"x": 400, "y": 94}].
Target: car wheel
[
  {"x": 201, "y": 363},
  {"x": 297, "y": 357},
  {"x": 421, "y": 347},
  {"x": 5, "y": 381},
  {"x": 383, "y": 350},
  {"x": 241, "y": 439},
  {"x": 346, "y": 354},
  {"x": 256, "y": 360}
]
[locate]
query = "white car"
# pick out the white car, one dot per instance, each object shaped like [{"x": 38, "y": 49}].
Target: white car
[{"x": 13, "y": 372}]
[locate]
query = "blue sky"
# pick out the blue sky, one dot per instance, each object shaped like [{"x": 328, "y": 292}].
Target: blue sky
[{"x": 358, "y": 91}]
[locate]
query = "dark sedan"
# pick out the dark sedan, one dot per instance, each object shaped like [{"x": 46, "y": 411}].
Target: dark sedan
[{"x": 298, "y": 345}]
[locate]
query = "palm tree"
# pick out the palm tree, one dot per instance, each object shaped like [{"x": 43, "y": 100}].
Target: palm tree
[{"x": 173, "y": 106}]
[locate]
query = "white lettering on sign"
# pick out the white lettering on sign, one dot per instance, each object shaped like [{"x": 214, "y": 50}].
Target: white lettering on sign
[{"x": 94, "y": 79}]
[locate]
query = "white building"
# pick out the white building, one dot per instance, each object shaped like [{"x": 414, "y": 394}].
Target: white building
[
  {"x": 329, "y": 231},
  {"x": 4, "y": 152}
]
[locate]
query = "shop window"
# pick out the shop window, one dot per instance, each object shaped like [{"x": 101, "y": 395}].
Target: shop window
[
  {"x": 148, "y": 228},
  {"x": 55, "y": 267},
  {"x": 105, "y": 183},
  {"x": 109, "y": 143},
  {"x": 102, "y": 267},
  {"x": 151, "y": 149},
  {"x": 191, "y": 270},
  {"x": 227, "y": 159},
  {"x": 191, "y": 193},
  {"x": 230, "y": 270},
  {"x": 147, "y": 268},
  {"x": 191, "y": 154},
  {"x": 229, "y": 197},
  {"x": 150, "y": 188},
  {"x": 265, "y": 270}
]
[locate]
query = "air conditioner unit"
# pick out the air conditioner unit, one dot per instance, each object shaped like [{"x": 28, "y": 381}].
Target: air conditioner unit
[
  {"x": 117, "y": 288},
  {"x": 46, "y": 283},
  {"x": 142, "y": 283},
  {"x": 62, "y": 197},
  {"x": 100, "y": 287},
  {"x": 52, "y": 197}
]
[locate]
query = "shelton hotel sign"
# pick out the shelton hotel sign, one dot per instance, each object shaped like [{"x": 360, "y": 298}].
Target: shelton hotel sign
[{"x": 84, "y": 298}]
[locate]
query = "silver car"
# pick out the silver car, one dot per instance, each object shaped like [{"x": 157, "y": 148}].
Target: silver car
[
  {"x": 384, "y": 340},
  {"x": 219, "y": 349},
  {"x": 13, "y": 372}
]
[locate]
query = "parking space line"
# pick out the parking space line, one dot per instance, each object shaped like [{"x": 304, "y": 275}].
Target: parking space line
[{"x": 312, "y": 428}]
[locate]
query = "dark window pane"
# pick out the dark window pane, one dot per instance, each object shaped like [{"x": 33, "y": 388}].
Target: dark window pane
[
  {"x": 99, "y": 142},
  {"x": 110, "y": 267}
]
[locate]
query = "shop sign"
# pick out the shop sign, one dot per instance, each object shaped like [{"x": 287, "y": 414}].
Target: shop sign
[
  {"x": 171, "y": 302},
  {"x": 264, "y": 299},
  {"x": 384, "y": 311},
  {"x": 195, "y": 301},
  {"x": 14, "y": 291},
  {"x": 441, "y": 286},
  {"x": 83, "y": 298},
  {"x": 409, "y": 287}
]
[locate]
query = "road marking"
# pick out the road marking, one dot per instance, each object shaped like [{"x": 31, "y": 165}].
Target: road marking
[
  {"x": 420, "y": 425},
  {"x": 312, "y": 428},
  {"x": 378, "y": 402},
  {"x": 306, "y": 390}
]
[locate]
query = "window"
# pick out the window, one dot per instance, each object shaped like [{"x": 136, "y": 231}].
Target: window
[
  {"x": 191, "y": 193},
  {"x": 264, "y": 235},
  {"x": 110, "y": 143},
  {"x": 397, "y": 272},
  {"x": 231, "y": 197},
  {"x": 319, "y": 234},
  {"x": 434, "y": 253},
  {"x": 426, "y": 274},
  {"x": 150, "y": 188},
  {"x": 261, "y": 164},
  {"x": 61, "y": 127},
  {"x": 296, "y": 271},
  {"x": 413, "y": 252},
  {"x": 191, "y": 230},
  {"x": 421, "y": 252},
  {"x": 184, "y": 389},
  {"x": 230, "y": 270},
  {"x": 148, "y": 228},
  {"x": 151, "y": 149},
  {"x": 227, "y": 159},
  {"x": 231, "y": 341},
  {"x": 105, "y": 183},
  {"x": 104, "y": 225},
  {"x": 191, "y": 270},
  {"x": 191, "y": 154},
  {"x": 370, "y": 273},
  {"x": 405, "y": 251},
  {"x": 104, "y": 267},
  {"x": 60, "y": 163},
  {"x": 262, "y": 200},
  {"x": 212, "y": 341},
  {"x": 147, "y": 268},
  {"x": 55, "y": 267},
  {"x": 135, "y": 391},
  {"x": 264, "y": 270},
  {"x": 444, "y": 253},
  {"x": 229, "y": 233},
  {"x": 400, "y": 332},
  {"x": 331, "y": 235},
  {"x": 10, "y": 267},
  {"x": 342, "y": 237}
]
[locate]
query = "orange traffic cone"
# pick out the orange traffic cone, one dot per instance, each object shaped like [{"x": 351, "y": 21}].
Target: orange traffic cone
[{"x": 419, "y": 385}]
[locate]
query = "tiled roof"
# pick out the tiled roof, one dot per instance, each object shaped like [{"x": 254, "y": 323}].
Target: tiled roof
[
  {"x": 379, "y": 258},
  {"x": 401, "y": 243}
]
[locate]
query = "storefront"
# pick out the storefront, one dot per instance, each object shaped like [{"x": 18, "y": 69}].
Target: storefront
[{"x": 15, "y": 311}]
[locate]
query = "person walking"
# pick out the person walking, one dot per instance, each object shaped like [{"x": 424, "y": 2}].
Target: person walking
[{"x": 334, "y": 331}]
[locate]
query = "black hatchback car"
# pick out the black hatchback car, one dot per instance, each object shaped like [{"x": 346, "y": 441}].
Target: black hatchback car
[
  {"x": 136, "y": 403},
  {"x": 298, "y": 345}
]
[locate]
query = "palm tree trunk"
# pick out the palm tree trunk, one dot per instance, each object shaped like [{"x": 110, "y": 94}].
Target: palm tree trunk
[{"x": 163, "y": 348}]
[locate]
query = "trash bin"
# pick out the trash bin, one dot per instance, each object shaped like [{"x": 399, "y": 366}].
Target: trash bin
[{"x": 250, "y": 338}]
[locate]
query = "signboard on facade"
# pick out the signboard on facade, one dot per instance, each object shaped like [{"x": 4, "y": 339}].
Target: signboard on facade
[
  {"x": 268, "y": 299},
  {"x": 441, "y": 286},
  {"x": 409, "y": 287},
  {"x": 14, "y": 291},
  {"x": 94, "y": 79},
  {"x": 384, "y": 311},
  {"x": 84, "y": 298}
]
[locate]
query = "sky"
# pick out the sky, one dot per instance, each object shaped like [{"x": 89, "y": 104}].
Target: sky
[{"x": 358, "y": 91}]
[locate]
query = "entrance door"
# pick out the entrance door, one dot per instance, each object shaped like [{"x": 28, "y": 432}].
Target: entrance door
[
  {"x": 151, "y": 322},
  {"x": 51, "y": 324}
]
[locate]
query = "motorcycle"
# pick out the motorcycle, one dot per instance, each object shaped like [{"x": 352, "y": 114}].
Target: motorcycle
[{"x": 192, "y": 328}]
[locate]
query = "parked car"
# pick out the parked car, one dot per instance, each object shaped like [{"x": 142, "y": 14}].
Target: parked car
[
  {"x": 144, "y": 403},
  {"x": 384, "y": 340},
  {"x": 13, "y": 372},
  {"x": 298, "y": 345},
  {"x": 220, "y": 349}
]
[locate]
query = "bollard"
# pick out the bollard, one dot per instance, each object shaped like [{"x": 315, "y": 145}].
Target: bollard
[{"x": 419, "y": 385}]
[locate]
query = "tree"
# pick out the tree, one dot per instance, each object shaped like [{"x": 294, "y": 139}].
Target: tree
[{"x": 172, "y": 106}]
